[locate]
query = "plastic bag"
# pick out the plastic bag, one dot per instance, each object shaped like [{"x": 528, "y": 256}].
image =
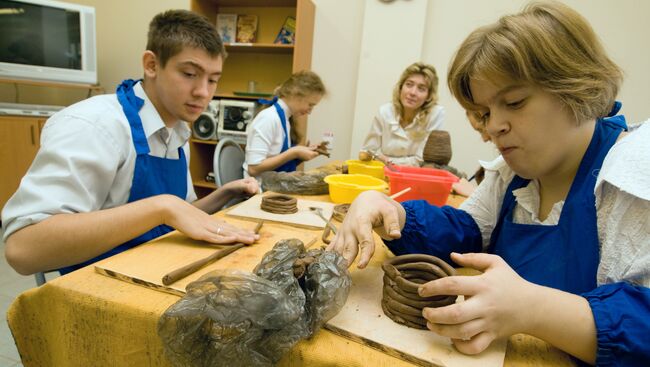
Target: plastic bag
[
  {"x": 298, "y": 183},
  {"x": 236, "y": 318}
]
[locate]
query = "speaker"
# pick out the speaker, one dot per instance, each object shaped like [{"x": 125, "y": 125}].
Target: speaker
[
  {"x": 234, "y": 117},
  {"x": 205, "y": 127}
]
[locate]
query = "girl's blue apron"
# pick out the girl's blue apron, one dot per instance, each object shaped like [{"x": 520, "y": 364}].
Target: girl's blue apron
[
  {"x": 563, "y": 256},
  {"x": 152, "y": 175},
  {"x": 291, "y": 165}
]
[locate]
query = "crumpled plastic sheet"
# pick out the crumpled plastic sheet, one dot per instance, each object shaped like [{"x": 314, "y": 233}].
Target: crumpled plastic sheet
[
  {"x": 298, "y": 182},
  {"x": 237, "y": 318}
]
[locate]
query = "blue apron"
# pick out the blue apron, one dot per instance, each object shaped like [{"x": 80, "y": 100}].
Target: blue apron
[
  {"x": 564, "y": 256},
  {"x": 291, "y": 165},
  {"x": 151, "y": 176}
]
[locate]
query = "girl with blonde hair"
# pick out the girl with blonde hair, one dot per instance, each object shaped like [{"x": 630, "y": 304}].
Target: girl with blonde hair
[{"x": 270, "y": 146}]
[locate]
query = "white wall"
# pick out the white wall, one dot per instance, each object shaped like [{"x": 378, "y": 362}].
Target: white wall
[
  {"x": 341, "y": 44},
  {"x": 337, "y": 40}
]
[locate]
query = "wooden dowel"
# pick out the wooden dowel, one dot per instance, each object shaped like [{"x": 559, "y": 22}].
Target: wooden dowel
[
  {"x": 310, "y": 243},
  {"x": 398, "y": 194},
  {"x": 188, "y": 269}
]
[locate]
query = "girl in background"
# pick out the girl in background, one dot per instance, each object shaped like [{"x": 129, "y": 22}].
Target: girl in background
[{"x": 269, "y": 146}]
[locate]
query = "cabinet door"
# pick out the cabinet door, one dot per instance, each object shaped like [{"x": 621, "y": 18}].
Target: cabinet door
[{"x": 19, "y": 142}]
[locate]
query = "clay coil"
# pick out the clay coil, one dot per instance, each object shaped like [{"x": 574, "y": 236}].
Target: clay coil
[
  {"x": 279, "y": 204},
  {"x": 400, "y": 319},
  {"x": 403, "y": 275},
  {"x": 340, "y": 211},
  {"x": 388, "y": 283},
  {"x": 390, "y": 293}
]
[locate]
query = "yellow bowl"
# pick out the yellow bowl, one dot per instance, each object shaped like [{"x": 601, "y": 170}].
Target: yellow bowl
[
  {"x": 345, "y": 188},
  {"x": 371, "y": 168}
]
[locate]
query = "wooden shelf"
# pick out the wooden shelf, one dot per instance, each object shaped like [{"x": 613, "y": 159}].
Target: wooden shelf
[
  {"x": 260, "y": 47},
  {"x": 91, "y": 87},
  {"x": 255, "y": 3},
  {"x": 205, "y": 184},
  {"x": 263, "y": 62},
  {"x": 200, "y": 141},
  {"x": 238, "y": 96}
]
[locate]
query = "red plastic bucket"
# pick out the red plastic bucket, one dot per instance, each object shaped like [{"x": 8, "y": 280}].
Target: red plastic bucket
[{"x": 430, "y": 184}]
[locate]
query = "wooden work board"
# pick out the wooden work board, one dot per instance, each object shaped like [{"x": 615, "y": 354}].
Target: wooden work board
[
  {"x": 146, "y": 264},
  {"x": 363, "y": 321},
  {"x": 250, "y": 209}
]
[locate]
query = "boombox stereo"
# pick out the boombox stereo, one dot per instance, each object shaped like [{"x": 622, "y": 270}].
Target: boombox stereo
[
  {"x": 205, "y": 127},
  {"x": 234, "y": 117}
]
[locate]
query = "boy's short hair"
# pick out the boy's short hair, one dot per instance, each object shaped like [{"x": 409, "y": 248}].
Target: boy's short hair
[
  {"x": 173, "y": 30},
  {"x": 548, "y": 45}
]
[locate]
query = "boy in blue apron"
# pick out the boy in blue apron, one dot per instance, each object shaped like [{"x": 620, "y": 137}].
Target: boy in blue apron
[
  {"x": 269, "y": 146},
  {"x": 112, "y": 171},
  {"x": 563, "y": 221}
]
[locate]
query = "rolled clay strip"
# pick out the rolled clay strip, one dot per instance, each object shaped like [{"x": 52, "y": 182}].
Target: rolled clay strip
[
  {"x": 402, "y": 277},
  {"x": 435, "y": 301},
  {"x": 403, "y": 319},
  {"x": 279, "y": 204},
  {"x": 340, "y": 211}
]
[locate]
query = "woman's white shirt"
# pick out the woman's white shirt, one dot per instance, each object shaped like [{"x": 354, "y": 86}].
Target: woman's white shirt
[
  {"x": 87, "y": 159},
  {"x": 622, "y": 207},
  {"x": 402, "y": 145}
]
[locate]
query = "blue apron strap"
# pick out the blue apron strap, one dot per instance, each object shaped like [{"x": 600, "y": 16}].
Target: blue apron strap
[
  {"x": 131, "y": 104},
  {"x": 267, "y": 102},
  {"x": 615, "y": 108},
  {"x": 617, "y": 120}
]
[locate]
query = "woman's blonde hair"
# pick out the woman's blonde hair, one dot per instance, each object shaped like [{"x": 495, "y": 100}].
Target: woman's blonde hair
[
  {"x": 301, "y": 84},
  {"x": 431, "y": 77},
  {"x": 549, "y": 45}
]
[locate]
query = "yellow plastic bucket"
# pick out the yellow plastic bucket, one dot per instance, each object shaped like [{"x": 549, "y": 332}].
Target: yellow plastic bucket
[
  {"x": 345, "y": 188},
  {"x": 371, "y": 168}
]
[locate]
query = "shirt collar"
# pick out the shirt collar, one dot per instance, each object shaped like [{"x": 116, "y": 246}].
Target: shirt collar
[
  {"x": 285, "y": 108},
  {"x": 153, "y": 123}
]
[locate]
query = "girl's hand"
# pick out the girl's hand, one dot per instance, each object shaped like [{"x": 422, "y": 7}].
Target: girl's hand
[
  {"x": 371, "y": 209},
  {"x": 498, "y": 303},
  {"x": 303, "y": 153}
]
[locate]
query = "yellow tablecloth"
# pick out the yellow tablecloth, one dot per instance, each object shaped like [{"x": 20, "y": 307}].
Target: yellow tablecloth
[{"x": 87, "y": 319}]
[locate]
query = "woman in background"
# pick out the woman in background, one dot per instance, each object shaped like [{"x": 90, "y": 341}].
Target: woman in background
[
  {"x": 401, "y": 128},
  {"x": 269, "y": 146}
]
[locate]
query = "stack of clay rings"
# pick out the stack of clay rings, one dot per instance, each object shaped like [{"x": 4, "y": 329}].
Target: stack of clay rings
[
  {"x": 279, "y": 204},
  {"x": 402, "y": 277}
]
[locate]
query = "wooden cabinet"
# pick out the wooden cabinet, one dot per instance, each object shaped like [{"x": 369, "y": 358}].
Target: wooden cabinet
[
  {"x": 19, "y": 142},
  {"x": 264, "y": 63}
]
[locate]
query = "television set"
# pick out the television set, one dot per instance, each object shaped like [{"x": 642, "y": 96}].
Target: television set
[{"x": 47, "y": 40}]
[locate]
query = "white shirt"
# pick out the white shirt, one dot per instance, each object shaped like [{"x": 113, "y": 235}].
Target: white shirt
[
  {"x": 622, "y": 207},
  {"x": 265, "y": 135},
  {"x": 402, "y": 145},
  {"x": 87, "y": 159}
]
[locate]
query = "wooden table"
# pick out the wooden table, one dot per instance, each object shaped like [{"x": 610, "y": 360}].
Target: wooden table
[{"x": 87, "y": 319}]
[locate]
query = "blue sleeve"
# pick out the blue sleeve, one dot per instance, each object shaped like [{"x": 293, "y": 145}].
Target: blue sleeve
[
  {"x": 622, "y": 315},
  {"x": 436, "y": 231}
]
